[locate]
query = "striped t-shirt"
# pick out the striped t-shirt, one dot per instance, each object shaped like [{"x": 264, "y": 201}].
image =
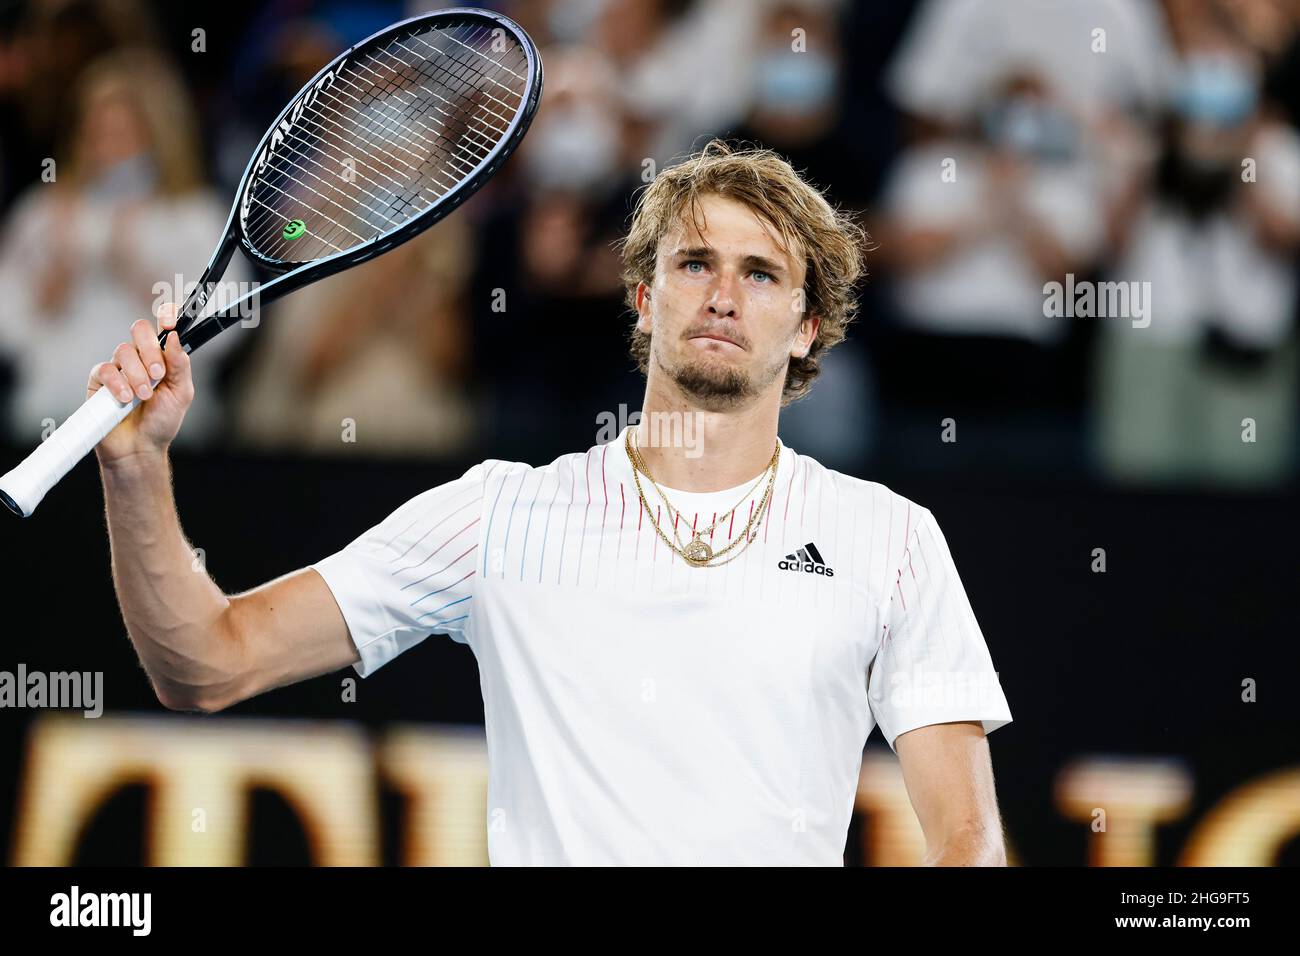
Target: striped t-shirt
[{"x": 643, "y": 711}]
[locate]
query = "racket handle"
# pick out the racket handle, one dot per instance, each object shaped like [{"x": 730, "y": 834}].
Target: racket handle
[{"x": 22, "y": 488}]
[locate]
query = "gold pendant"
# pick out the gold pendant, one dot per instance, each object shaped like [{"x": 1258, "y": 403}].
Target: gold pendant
[{"x": 698, "y": 552}]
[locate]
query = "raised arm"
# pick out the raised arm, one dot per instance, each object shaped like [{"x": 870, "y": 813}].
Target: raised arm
[
  {"x": 949, "y": 778},
  {"x": 201, "y": 649}
]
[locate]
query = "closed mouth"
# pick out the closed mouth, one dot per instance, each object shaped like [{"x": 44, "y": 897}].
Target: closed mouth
[{"x": 718, "y": 338}]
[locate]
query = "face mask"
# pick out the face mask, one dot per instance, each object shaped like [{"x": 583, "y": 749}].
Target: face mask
[
  {"x": 577, "y": 149},
  {"x": 573, "y": 21},
  {"x": 1028, "y": 126},
  {"x": 791, "y": 82},
  {"x": 1216, "y": 90},
  {"x": 132, "y": 178}
]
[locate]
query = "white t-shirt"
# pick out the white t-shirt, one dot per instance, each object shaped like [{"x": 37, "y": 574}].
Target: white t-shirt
[
  {"x": 954, "y": 50},
  {"x": 642, "y": 711},
  {"x": 990, "y": 284}
]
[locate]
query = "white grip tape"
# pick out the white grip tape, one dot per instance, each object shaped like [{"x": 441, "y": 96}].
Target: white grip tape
[{"x": 85, "y": 428}]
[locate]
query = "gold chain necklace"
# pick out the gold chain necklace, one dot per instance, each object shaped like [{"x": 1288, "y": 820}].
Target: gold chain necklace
[
  {"x": 674, "y": 511},
  {"x": 699, "y": 553}
]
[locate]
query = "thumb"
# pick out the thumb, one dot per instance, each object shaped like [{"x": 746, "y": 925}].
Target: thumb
[{"x": 178, "y": 362}]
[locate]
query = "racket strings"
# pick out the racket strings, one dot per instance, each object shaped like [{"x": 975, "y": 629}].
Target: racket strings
[
  {"x": 345, "y": 129},
  {"x": 463, "y": 114},
  {"x": 388, "y": 138},
  {"x": 507, "y": 107},
  {"x": 460, "y": 79},
  {"x": 427, "y": 143},
  {"x": 459, "y": 161},
  {"x": 393, "y": 156},
  {"x": 338, "y": 129}
]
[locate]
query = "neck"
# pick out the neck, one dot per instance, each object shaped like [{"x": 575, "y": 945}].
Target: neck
[{"x": 697, "y": 450}]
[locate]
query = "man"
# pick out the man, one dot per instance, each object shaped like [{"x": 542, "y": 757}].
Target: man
[{"x": 680, "y": 662}]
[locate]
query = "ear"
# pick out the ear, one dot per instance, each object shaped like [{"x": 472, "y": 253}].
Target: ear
[
  {"x": 806, "y": 336},
  {"x": 643, "y": 322}
]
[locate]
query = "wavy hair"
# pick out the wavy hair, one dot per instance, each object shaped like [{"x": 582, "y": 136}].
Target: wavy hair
[{"x": 832, "y": 241}]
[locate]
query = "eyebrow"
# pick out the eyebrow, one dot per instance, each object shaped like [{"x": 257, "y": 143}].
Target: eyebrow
[{"x": 759, "y": 263}]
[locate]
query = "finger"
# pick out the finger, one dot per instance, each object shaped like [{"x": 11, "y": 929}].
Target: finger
[
  {"x": 109, "y": 376},
  {"x": 151, "y": 353},
  {"x": 167, "y": 313},
  {"x": 178, "y": 362},
  {"x": 128, "y": 360}
]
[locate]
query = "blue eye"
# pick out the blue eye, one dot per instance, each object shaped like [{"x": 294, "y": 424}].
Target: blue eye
[
  {"x": 694, "y": 262},
  {"x": 766, "y": 275}
]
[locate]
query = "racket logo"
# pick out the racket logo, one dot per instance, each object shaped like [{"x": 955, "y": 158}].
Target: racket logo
[{"x": 294, "y": 229}]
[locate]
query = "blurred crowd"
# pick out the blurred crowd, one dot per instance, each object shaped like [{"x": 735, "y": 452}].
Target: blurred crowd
[{"x": 1140, "y": 157}]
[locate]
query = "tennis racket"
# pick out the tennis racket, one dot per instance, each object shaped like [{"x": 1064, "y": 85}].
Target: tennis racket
[{"x": 382, "y": 143}]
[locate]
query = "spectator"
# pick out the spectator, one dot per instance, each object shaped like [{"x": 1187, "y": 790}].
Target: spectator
[
  {"x": 1216, "y": 237},
  {"x": 972, "y": 227},
  {"x": 82, "y": 257},
  {"x": 546, "y": 261},
  {"x": 798, "y": 110},
  {"x": 957, "y": 48},
  {"x": 44, "y": 45},
  {"x": 683, "y": 69}
]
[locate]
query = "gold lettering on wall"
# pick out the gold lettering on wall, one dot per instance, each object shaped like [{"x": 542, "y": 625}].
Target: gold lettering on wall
[
  {"x": 199, "y": 772},
  {"x": 444, "y": 776},
  {"x": 1135, "y": 797},
  {"x": 1249, "y": 825}
]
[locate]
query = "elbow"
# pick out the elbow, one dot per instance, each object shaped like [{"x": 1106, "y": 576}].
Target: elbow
[
  {"x": 180, "y": 701},
  {"x": 206, "y": 686},
  {"x": 191, "y": 706}
]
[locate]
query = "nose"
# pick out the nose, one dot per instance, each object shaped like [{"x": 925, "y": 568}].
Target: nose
[{"x": 722, "y": 300}]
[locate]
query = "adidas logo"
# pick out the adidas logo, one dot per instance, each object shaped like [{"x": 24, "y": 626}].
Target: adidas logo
[{"x": 807, "y": 559}]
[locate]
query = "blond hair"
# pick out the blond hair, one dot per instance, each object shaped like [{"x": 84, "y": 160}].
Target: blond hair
[
  {"x": 149, "y": 83},
  {"x": 832, "y": 241}
]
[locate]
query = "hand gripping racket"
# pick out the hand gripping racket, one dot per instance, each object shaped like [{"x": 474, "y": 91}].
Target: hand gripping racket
[{"x": 382, "y": 143}]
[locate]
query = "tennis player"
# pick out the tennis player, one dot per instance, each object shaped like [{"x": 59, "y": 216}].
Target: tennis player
[{"x": 684, "y": 636}]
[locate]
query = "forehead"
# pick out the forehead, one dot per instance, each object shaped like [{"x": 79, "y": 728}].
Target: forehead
[{"x": 731, "y": 228}]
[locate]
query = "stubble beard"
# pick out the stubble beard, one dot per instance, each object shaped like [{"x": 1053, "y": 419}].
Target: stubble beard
[{"x": 716, "y": 386}]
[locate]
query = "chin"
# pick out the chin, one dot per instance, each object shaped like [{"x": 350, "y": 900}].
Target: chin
[{"x": 714, "y": 382}]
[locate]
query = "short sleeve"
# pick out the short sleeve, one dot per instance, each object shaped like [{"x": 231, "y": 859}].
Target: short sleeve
[
  {"x": 933, "y": 665},
  {"x": 412, "y": 574}
]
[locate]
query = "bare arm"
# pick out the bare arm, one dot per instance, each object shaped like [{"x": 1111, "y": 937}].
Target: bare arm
[
  {"x": 201, "y": 649},
  {"x": 949, "y": 779}
]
